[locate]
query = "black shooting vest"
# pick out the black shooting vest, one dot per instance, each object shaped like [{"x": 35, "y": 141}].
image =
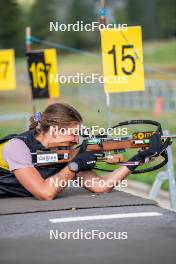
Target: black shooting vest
[{"x": 9, "y": 185}]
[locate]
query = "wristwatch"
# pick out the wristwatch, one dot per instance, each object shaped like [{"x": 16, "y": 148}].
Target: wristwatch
[{"x": 73, "y": 166}]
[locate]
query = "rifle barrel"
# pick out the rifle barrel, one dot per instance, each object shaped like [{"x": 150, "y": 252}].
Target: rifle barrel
[{"x": 169, "y": 136}]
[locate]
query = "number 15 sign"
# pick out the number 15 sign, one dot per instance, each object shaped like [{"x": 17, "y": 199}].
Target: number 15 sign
[{"x": 122, "y": 60}]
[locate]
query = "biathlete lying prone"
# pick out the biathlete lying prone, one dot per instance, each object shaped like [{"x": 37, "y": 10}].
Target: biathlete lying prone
[{"x": 19, "y": 176}]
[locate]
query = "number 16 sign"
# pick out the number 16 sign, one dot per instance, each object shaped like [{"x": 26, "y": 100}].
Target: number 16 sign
[
  {"x": 41, "y": 65},
  {"x": 122, "y": 59}
]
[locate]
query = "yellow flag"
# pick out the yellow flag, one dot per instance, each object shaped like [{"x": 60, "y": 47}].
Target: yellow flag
[
  {"x": 122, "y": 59},
  {"x": 42, "y": 69},
  {"x": 7, "y": 70},
  {"x": 51, "y": 59}
]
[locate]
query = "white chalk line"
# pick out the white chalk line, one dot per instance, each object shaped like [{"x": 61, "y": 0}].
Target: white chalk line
[{"x": 103, "y": 217}]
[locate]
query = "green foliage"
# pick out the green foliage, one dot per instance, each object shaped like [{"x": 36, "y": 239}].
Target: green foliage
[
  {"x": 81, "y": 11},
  {"x": 157, "y": 17},
  {"x": 166, "y": 18},
  {"x": 11, "y": 25},
  {"x": 40, "y": 14}
]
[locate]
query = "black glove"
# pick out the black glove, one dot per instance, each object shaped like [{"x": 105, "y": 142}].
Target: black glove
[
  {"x": 83, "y": 161},
  {"x": 154, "y": 150}
]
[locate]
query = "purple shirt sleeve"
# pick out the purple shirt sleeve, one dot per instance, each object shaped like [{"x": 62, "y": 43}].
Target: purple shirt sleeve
[{"x": 17, "y": 154}]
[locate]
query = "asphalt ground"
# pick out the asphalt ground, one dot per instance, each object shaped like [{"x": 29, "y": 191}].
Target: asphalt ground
[{"x": 145, "y": 233}]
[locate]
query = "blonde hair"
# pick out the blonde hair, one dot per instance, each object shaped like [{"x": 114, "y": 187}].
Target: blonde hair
[{"x": 60, "y": 115}]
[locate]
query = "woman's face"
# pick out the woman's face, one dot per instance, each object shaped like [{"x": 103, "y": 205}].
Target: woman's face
[{"x": 70, "y": 134}]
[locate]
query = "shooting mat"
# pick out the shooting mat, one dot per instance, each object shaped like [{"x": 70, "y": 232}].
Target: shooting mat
[{"x": 71, "y": 198}]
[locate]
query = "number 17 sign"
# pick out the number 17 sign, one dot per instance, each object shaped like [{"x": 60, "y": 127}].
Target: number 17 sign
[{"x": 122, "y": 59}]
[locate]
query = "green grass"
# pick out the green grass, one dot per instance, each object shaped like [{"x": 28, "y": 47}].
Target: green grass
[{"x": 158, "y": 53}]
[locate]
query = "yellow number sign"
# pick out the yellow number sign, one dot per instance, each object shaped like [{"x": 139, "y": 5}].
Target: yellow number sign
[
  {"x": 41, "y": 65},
  {"x": 7, "y": 70},
  {"x": 122, "y": 60},
  {"x": 50, "y": 59}
]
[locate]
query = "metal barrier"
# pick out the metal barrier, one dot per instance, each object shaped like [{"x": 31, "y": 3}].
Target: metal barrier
[
  {"x": 146, "y": 100},
  {"x": 168, "y": 174},
  {"x": 132, "y": 100}
]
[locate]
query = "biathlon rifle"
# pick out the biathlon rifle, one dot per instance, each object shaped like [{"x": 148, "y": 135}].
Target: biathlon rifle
[{"x": 108, "y": 149}]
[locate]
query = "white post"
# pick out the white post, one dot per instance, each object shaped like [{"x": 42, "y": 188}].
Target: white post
[
  {"x": 108, "y": 109},
  {"x": 166, "y": 175}
]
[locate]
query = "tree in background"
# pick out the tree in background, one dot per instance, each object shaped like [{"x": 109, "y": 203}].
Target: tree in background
[
  {"x": 79, "y": 10},
  {"x": 157, "y": 17},
  {"x": 11, "y": 26},
  {"x": 40, "y": 14},
  {"x": 166, "y": 18},
  {"x": 141, "y": 12}
]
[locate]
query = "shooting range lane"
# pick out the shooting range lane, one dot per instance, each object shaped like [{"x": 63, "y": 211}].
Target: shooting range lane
[
  {"x": 27, "y": 236},
  {"x": 71, "y": 198}
]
